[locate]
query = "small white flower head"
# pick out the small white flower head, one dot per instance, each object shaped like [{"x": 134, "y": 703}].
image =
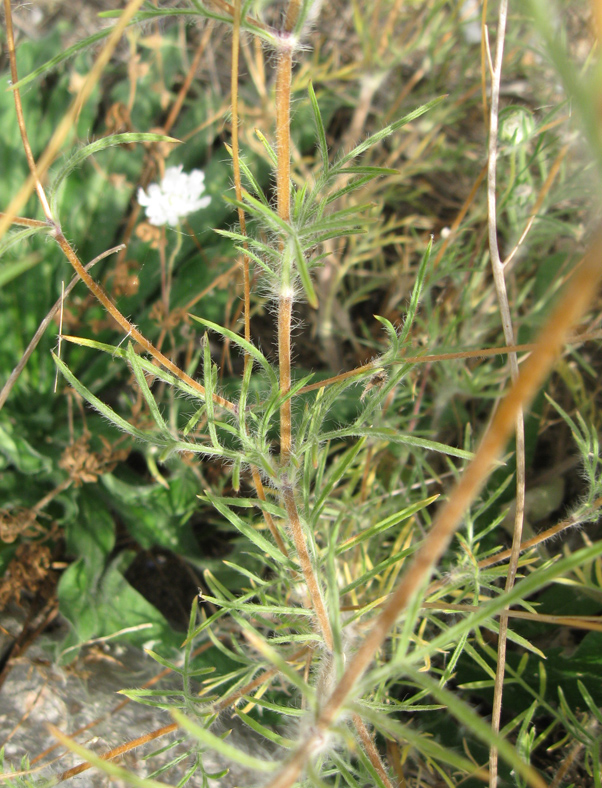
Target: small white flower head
[{"x": 176, "y": 196}]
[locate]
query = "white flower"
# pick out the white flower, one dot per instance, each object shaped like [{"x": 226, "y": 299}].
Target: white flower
[{"x": 176, "y": 196}]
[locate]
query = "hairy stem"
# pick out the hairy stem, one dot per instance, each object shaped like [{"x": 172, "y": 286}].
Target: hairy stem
[
  {"x": 313, "y": 586},
  {"x": 283, "y": 190},
  {"x": 236, "y": 169},
  {"x": 128, "y": 327},
  {"x": 577, "y": 297}
]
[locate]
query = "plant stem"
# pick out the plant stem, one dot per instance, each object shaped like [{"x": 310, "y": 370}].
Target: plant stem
[
  {"x": 313, "y": 587},
  {"x": 577, "y": 297},
  {"x": 283, "y": 180},
  {"x": 68, "y": 122},
  {"x": 502, "y": 296},
  {"x": 285, "y": 308},
  {"x": 236, "y": 168},
  {"x": 128, "y": 327},
  {"x": 371, "y": 750}
]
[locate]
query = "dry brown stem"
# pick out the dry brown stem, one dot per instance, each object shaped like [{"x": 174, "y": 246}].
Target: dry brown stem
[{"x": 68, "y": 122}]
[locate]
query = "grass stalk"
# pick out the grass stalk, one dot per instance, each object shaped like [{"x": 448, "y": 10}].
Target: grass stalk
[{"x": 504, "y": 306}]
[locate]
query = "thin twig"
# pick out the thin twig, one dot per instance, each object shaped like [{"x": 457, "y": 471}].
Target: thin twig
[
  {"x": 373, "y": 366},
  {"x": 24, "y": 222},
  {"x": 236, "y": 169},
  {"x": 504, "y": 306}
]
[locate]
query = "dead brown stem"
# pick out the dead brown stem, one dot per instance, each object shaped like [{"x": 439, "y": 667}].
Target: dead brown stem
[{"x": 68, "y": 122}]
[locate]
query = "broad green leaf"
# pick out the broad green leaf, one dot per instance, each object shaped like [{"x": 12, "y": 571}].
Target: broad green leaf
[{"x": 20, "y": 453}]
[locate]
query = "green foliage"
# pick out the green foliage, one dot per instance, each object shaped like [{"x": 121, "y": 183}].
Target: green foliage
[{"x": 129, "y": 447}]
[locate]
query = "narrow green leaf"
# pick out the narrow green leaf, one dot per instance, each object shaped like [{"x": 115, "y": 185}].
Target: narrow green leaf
[
  {"x": 146, "y": 365},
  {"x": 208, "y": 380},
  {"x": 384, "y": 525},
  {"x": 521, "y": 591},
  {"x": 416, "y": 293},
  {"x": 269, "y": 150},
  {"x": 374, "y": 139},
  {"x": 247, "y": 530},
  {"x": 304, "y": 274},
  {"x": 193, "y": 420},
  {"x": 363, "y": 580},
  {"x": 61, "y": 57},
  {"x": 356, "y": 183},
  {"x": 250, "y": 178},
  {"x": 241, "y": 342},
  {"x": 219, "y": 745},
  {"x": 269, "y": 215},
  {"x": 395, "y": 437},
  {"x": 256, "y": 259},
  {"x": 95, "y": 147},
  {"x": 267, "y": 733},
  {"x": 339, "y": 469},
  {"x": 145, "y": 390},
  {"x": 479, "y": 727},
  {"x": 105, "y": 410},
  {"x": 315, "y": 108}
]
